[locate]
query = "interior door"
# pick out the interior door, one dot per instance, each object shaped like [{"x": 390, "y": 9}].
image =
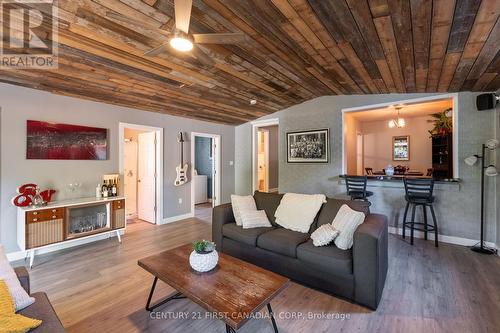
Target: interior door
[
  {"x": 130, "y": 177},
  {"x": 146, "y": 182}
]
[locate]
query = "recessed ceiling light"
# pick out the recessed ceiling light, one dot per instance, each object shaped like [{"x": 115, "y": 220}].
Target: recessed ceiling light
[{"x": 253, "y": 101}]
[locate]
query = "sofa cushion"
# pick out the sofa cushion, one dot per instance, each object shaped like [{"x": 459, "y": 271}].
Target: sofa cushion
[
  {"x": 332, "y": 206},
  {"x": 328, "y": 259},
  {"x": 268, "y": 202},
  {"x": 247, "y": 236},
  {"x": 298, "y": 212},
  {"x": 282, "y": 241},
  {"x": 43, "y": 310},
  {"x": 18, "y": 293}
]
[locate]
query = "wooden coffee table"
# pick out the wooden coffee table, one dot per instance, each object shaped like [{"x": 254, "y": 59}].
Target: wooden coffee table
[{"x": 233, "y": 291}]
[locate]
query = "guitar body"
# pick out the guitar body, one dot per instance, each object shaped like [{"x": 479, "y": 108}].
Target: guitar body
[
  {"x": 182, "y": 168},
  {"x": 181, "y": 178}
]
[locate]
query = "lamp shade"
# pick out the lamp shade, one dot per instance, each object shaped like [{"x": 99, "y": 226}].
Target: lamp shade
[
  {"x": 491, "y": 171},
  {"x": 492, "y": 144},
  {"x": 471, "y": 160}
]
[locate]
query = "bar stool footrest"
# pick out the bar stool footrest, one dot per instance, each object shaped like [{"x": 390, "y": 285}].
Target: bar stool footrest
[{"x": 416, "y": 226}]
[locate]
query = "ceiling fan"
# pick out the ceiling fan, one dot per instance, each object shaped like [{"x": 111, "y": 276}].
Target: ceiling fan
[{"x": 181, "y": 40}]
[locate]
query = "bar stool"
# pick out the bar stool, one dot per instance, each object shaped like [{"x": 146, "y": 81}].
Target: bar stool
[
  {"x": 356, "y": 187},
  {"x": 419, "y": 193}
]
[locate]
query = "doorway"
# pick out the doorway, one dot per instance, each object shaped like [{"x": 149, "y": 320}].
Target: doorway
[
  {"x": 205, "y": 174},
  {"x": 140, "y": 165},
  {"x": 266, "y": 156},
  {"x": 359, "y": 154}
]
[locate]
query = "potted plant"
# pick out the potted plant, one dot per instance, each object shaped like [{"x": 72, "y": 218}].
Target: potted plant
[
  {"x": 204, "y": 257},
  {"x": 443, "y": 123}
]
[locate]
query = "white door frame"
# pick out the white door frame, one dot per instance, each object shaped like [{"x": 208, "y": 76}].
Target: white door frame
[
  {"x": 216, "y": 179},
  {"x": 368, "y": 107},
  {"x": 159, "y": 161},
  {"x": 255, "y": 128}
]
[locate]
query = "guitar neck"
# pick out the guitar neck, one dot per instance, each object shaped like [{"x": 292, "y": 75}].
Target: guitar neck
[{"x": 182, "y": 153}]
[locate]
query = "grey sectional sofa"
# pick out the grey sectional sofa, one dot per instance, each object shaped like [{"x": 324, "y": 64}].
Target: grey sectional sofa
[
  {"x": 41, "y": 309},
  {"x": 357, "y": 274}
]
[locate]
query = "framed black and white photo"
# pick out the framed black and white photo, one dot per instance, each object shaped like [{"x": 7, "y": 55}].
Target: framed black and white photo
[{"x": 308, "y": 146}]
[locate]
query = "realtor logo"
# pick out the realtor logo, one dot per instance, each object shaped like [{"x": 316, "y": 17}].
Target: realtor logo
[{"x": 28, "y": 34}]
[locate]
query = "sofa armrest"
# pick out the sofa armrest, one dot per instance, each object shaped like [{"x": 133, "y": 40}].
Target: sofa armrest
[
  {"x": 370, "y": 260},
  {"x": 221, "y": 215},
  {"x": 23, "y": 277}
]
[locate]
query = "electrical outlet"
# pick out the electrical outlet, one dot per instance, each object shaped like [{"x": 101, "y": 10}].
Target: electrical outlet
[
  {"x": 180, "y": 201},
  {"x": 231, "y": 162}
]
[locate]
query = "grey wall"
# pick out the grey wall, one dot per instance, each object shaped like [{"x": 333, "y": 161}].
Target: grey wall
[
  {"x": 497, "y": 152},
  {"x": 20, "y": 104},
  {"x": 457, "y": 206},
  {"x": 203, "y": 161}
]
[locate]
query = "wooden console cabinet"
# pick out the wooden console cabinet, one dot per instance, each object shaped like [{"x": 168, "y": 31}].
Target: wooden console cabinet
[{"x": 67, "y": 221}]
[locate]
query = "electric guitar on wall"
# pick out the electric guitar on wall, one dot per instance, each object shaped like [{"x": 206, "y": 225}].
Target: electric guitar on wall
[{"x": 182, "y": 168}]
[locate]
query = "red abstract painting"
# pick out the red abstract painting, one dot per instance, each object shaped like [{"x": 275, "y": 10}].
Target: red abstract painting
[{"x": 51, "y": 141}]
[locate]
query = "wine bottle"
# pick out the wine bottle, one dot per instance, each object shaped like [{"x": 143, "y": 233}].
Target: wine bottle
[
  {"x": 98, "y": 191},
  {"x": 114, "y": 189},
  {"x": 104, "y": 189}
]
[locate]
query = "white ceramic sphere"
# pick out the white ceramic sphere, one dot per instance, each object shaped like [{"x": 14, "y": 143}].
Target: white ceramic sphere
[{"x": 203, "y": 262}]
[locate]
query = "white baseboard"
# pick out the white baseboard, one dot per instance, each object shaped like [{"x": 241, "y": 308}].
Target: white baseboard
[
  {"x": 13, "y": 256},
  {"x": 442, "y": 238},
  {"x": 177, "y": 218}
]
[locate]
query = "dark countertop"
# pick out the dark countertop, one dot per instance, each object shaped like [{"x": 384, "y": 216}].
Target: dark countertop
[{"x": 397, "y": 182}]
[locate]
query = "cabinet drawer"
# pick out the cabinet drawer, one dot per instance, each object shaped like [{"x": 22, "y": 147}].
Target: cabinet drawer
[
  {"x": 45, "y": 215},
  {"x": 118, "y": 204}
]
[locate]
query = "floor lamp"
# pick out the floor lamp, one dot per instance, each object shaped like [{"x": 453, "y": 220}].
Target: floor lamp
[{"x": 490, "y": 171}]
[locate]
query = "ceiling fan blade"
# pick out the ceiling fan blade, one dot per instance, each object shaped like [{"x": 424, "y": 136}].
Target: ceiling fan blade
[
  {"x": 157, "y": 50},
  {"x": 220, "y": 38},
  {"x": 202, "y": 56},
  {"x": 182, "y": 14},
  {"x": 131, "y": 21}
]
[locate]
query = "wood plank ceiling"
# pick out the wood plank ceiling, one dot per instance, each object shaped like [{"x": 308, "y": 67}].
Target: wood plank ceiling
[{"x": 296, "y": 50}]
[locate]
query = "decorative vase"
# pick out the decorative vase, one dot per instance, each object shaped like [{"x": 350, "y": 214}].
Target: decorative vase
[
  {"x": 389, "y": 171},
  {"x": 203, "y": 262}
]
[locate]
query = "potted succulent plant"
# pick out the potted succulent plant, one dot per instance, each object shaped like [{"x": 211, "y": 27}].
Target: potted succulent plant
[{"x": 204, "y": 256}]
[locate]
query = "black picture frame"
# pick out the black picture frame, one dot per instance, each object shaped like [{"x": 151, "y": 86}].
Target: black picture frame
[{"x": 319, "y": 145}]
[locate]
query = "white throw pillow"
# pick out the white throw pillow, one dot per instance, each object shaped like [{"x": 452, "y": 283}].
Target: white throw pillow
[
  {"x": 297, "y": 211},
  {"x": 7, "y": 273},
  {"x": 242, "y": 203},
  {"x": 347, "y": 221},
  {"x": 324, "y": 235},
  {"x": 254, "y": 219}
]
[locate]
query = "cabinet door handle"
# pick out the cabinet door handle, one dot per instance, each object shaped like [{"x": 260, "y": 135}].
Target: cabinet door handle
[
  {"x": 53, "y": 210},
  {"x": 35, "y": 213},
  {"x": 34, "y": 220},
  {"x": 53, "y": 216}
]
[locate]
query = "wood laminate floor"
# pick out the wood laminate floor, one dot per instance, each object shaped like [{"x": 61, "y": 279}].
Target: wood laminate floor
[
  {"x": 99, "y": 288},
  {"x": 203, "y": 212}
]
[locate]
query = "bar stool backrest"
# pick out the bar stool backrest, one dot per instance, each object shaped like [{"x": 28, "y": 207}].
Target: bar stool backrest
[
  {"x": 419, "y": 187},
  {"x": 356, "y": 184}
]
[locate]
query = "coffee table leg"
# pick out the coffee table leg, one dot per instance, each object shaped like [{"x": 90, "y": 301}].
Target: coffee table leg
[
  {"x": 150, "y": 307},
  {"x": 229, "y": 329},
  {"x": 272, "y": 317}
]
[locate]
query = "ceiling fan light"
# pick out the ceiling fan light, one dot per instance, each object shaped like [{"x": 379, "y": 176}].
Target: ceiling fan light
[
  {"x": 391, "y": 124},
  {"x": 401, "y": 122},
  {"x": 181, "y": 44}
]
